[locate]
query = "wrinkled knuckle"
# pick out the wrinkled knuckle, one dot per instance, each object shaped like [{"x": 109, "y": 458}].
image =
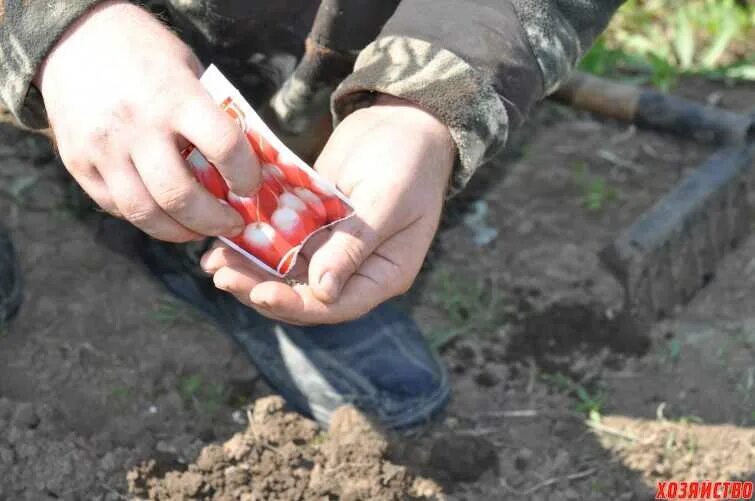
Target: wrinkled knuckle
[
  {"x": 140, "y": 212},
  {"x": 109, "y": 206},
  {"x": 354, "y": 252},
  {"x": 176, "y": 199}
]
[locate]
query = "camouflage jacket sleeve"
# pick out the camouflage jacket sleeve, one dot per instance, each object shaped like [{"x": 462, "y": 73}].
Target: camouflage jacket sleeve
[
  {"x": 28, "y": 29},
  {"x": 478, "y": 65}
]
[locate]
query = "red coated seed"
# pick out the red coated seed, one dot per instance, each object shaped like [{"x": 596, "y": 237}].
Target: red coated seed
[
  {"x": 273, "y": 177},
  {"x": 207, "y": 174},
  {"x": 290, "y": 200},
  {"x": 335, "y": 209},
  {"x": 246, "y": 206},
  {"x": 292, "y": 226},
  {"x": 264, "y": 150},
  {"x": 264, "y": 242},
  {"x": 314, "y": 203},
  {"x": 319, "y": 187},
  {"x": 291, "y": 170}
]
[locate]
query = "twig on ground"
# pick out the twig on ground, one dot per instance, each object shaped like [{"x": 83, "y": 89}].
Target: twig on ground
[
  {"x": 521, "y": 413},
  {"x": 478, "y": 431},
  {"x": 113, "y": 491},
  {"x": 624, "y": 135},
  {"x": 599, "y": 427},
  {"x": 257, "y": 439},
  {"x": 546, "y": 483},
  {"x": 616, "y": 160},
  {"x": 532, "y": 376}
]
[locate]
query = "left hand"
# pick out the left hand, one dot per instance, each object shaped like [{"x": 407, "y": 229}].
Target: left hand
[{"x": 393, "y": 160}]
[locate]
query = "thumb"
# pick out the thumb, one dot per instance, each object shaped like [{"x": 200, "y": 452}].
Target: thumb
[{"x": 331, "y": 266}]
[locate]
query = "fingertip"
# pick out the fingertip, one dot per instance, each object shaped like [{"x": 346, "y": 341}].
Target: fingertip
[
  {"x": 327, "y": 287},
  {"x": 260, "y": 296},
  {"x": 222, "y": 278},
  {"x": 205, "y": 263}
]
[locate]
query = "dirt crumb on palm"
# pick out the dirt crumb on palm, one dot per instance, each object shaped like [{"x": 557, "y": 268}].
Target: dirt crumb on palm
[{"x": 283, "y": 456}]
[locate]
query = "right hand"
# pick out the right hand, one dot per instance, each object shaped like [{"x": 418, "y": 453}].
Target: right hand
[{"x": 123, "y": 96}]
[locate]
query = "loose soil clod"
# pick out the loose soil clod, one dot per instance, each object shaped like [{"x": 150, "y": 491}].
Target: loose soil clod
[{"x": 283, "y": 456}]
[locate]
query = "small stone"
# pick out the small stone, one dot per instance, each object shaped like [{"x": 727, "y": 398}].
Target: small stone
[
  {"x": 165, "y": 448},
  {"x": 571, "y": 495},
  {"x": 522, "y": 459},
  {"x": 108, "y": 462},
  {"x": 15, "y": 435},
  {"x": 525, "y": 227},
  {"x": 6, "y": 407},
  {"x": 210, "y": 457},
  {"x": 561, "y": 460},
  {"x": 486, "y": 379},
  {"x": 7, "y": 456},
  {"x": 451, "y": 422},
  {"x": 425, "y": 488},
  {"x": 238, "y": 417},
  {"x": 466, "y": 353},
  {"x": 25, "y": 417}
]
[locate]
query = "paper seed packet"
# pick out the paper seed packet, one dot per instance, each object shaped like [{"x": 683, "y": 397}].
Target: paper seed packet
[{"x": 293, "y": 201}]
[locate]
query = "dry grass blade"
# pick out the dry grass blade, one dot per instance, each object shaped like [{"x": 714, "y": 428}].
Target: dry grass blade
[{"x": 546, "y": 483}]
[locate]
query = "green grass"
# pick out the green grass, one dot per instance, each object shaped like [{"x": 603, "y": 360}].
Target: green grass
[
  {"x": 471, "y": 307},
  {"x": 203, "y": 396},
  {"x": 588, "y": 403},
  {"x": 120, "y": 392},
  {"x": 319, "y": 439},
  {"x": 657, "y": 41},
  {"x": 673, "y": 350},
  {"x": 596, "y": 193},
  {"x": 168, "y": 312}
]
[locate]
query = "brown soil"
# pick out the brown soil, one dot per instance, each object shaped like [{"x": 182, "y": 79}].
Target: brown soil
[
  {"x": 284, "y": 456},
  {"x": 110, "y": 390}
]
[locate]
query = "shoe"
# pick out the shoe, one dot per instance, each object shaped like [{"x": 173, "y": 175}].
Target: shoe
[
  {"x": 380, "y": 363},
  {"x": 10, "y": 279}
]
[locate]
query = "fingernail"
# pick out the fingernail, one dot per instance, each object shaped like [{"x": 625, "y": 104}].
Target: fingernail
[
  {"x": 203, "y": 260},
  {"x": 261, "y": 304},
  {"x": 329, "y": 284}
]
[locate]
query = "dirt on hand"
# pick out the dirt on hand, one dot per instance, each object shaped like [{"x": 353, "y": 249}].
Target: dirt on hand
[{"x": 283, "y": 456}]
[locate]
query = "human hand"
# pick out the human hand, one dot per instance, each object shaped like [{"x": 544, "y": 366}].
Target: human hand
[
  {"x": 393, "y": 160},
  {"x": 123, "y": 96}
]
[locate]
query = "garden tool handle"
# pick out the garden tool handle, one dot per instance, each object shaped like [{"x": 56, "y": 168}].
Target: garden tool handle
[{"x": 652, "y": 109}]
